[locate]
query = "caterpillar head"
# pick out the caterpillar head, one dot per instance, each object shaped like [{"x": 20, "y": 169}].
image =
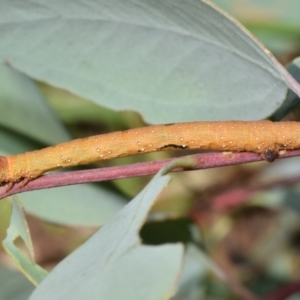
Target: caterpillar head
[{"x": 4, "y": 170}]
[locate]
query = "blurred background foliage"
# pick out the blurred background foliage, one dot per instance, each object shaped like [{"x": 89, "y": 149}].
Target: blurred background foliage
[{"x": 275, "y": 23}]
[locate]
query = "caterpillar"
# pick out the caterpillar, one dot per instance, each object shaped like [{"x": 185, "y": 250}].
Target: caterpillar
[{"x": 263, "y": 137}]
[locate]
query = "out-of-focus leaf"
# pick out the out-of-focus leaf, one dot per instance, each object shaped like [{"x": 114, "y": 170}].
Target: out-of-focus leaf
[
  {"x": 23, "y": 109},
  {"x": 18, "y": 228},
  {"x": 113, "y": 264},
  {"x": 292, "y": 99},
  {"x": 73, "y": 109},
  {"x": 13, "y": 285},
  {"x": 85, "y": 205},
  {"x": 275, "y": 22},
  {"x": 297, "y": 62},
  {"x": 13, "y": 143},
  {"x": 156, "y": 57},
  {"x": 263, "y": 11},
  {"x": 195, "y": 268}
]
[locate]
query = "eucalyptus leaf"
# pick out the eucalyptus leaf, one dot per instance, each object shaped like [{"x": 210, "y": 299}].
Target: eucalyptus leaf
[
  {"x": 18, "y": 228},
  {"x": 13, "y": 285},
  {"x": 156, "y": 57},
  {"x": 13, "y": 143},
  {"x": 24, "y": 109},
  {"x": 292, "y": 101},
  {"x": 113, "y": 264},
  {"x": 77, "y": 205}
]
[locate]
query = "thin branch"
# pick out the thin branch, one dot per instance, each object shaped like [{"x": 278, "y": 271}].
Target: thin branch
[
  {"x": 202, "y": 161},
  {"x": 240, "y": 290},
  {"x": 236, "y": 287},
  {"x": 239, "y": 195}
]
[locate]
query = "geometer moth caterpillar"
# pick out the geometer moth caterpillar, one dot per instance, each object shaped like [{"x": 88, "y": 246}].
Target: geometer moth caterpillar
[{"x": 264, "y": 137}]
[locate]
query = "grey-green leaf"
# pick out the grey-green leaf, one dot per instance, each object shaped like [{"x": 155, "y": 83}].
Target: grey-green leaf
[
  {"x": 14, "y": 285},
  {"x": 24, "y": 109},
  {"x": 113, "y": 264},
  {"x": 18, "y": 228},
  {"x": 78, "y": 205},
  {"x": 156, "y": 57}
]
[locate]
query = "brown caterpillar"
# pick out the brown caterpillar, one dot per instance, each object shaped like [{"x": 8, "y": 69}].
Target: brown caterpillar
[{"x": 263, "y": 137}]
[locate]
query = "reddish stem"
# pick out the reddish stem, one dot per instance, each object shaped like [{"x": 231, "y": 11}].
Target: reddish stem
[{"x": 202, "y": 161}]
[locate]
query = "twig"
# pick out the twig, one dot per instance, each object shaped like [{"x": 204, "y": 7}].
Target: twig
[{"x": 202, "y": 161}]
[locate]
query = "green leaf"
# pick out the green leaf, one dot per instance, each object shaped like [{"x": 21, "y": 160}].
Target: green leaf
[
  {"x": 13, "y": 285},
  {"x": 79, "y": 205},
  {"x": 297, "y": 62},
  {"x": 113, "y": 264},
  {"x": 195, "y": 269},
  {"x": 13, "y": 143},
  {"x": 157, "y": 57},
  {"x": 24, "y": 109},
  {"x": 18, "y": 228},
  {"x": 292, "y": 100}
]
